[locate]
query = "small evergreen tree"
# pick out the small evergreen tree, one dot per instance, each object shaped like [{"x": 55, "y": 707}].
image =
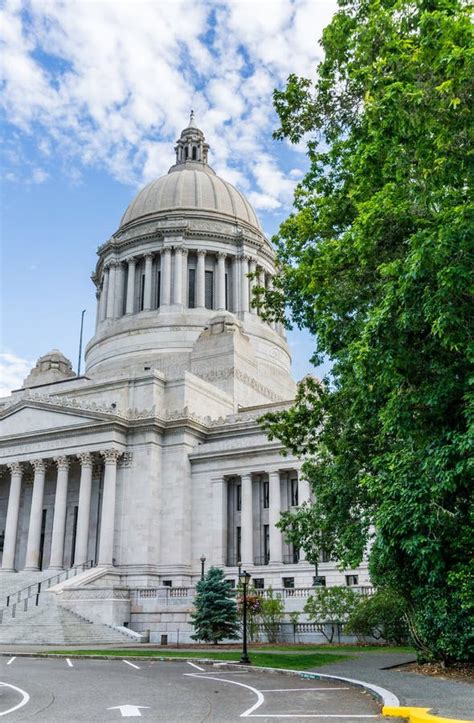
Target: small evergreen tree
[{"x": 215, "y": 617}]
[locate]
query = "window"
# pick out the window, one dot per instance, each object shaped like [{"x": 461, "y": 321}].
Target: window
[
  {"x": 238, "y": 542},
  {"x": 288, "y": 582},
  {"x": 167, "y": 583},
  {"x": 266, "y": 544},
  {"x": 2, "y": 540},
  {"x": 319, "y": 581},
  {"x": 266, "y": 494},
  {"x": 230, "y": 583},
  {"x": 352, "y": 580},
  {"x": 186, "y": 151},
  {"x": 294, "y": 492},
  {"x": 209, "y": 290},
  {"x": 158, "y": 289},
  {"x": 192, "y": 288},
  {"x": 226, "y": 291},
  {"x": 238, "y": 497},
  {"x": 324, "y": 556},
  {"x": 259, "y": 583},
  {"x": 296, "y": 555},
  {"x": 194, "y": 153}
]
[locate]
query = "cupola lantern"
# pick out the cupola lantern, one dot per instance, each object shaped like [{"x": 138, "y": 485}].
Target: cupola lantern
[{"x": 191, "y": 146}]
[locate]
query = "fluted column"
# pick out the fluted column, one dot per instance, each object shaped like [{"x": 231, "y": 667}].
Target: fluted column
[
  {"x": 184, "y": 299},
  {"x": 235, "y": 283},
  {"x": 276, "y": 548},
  {"x": 178, "y": 276},
  {"x": 104, "y": 293},
  {"x": 107, "y": 522},
  {"x": 119, "y": 289},
  {"x": 147, "y": 291},
  {"x": 36, "y": 515},
  {"x": 246, "y": 520},
  {"x": 11, "y": 524},
  {"x": 252, "y": 270},
  {"x": 165, "y": 276},
  {"x": 219, "y": 522},
  {"x": 244, "y": 294},
  {"x": 84, "y": 507},
  {"x": 130, "y": 305},
  {"x": 59, "y": 519},
  {"x": 111, "y": 290},
  {"x": 200, "y": 279},
  {"x": 221, "y": 280}
]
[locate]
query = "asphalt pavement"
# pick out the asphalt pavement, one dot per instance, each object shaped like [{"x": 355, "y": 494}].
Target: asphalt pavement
[{"x": 71, "y": 689}]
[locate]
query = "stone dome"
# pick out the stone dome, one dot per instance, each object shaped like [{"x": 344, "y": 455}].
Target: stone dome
[{"x": 190, "y": 185}]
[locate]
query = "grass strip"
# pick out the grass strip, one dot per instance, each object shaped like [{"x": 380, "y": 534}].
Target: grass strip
[{"x": 294, "y": 661}]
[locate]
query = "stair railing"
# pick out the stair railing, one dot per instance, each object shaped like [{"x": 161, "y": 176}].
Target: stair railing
[{"x": 34, "y": 591}]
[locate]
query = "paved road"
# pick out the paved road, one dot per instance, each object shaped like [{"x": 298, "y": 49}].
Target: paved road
[{"x": 44, "y": 689}]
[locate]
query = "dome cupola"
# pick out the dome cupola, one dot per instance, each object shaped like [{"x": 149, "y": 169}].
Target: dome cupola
[{"x": 191, "y": 146}]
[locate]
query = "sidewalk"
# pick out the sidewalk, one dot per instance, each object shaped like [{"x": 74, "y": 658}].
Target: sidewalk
[{"x": 445, "y": 697}]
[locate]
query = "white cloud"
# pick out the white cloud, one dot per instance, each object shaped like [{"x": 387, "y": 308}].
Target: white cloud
[
  {"x": 13, "y": 371},
  {"x": 110, "y": 84}
]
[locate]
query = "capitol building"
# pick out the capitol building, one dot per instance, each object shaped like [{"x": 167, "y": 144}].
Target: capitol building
[{"x": 152, "y": 465}]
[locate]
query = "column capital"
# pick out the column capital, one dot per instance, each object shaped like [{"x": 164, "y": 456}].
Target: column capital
[
  {"x": 178, "y": 249},
  {"x": 148, "y": 256},
  {"x": 39, "y": 465},
  {"x": 201, "y": 252},
  {"x": 222, "y": 254},
  {"x": 131, "y": 260},
  {"x": 110, "y": 455},
  {"x": 243, "y": 257},
  {"x": 15, "y": 467},
  {"x": 62, "y": 462},
  {"x": 114, "y": 263},
  {"x": 85, "y": 459}
]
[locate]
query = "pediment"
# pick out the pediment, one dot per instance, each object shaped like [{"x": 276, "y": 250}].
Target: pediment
[{"x": 30, "y": 417}]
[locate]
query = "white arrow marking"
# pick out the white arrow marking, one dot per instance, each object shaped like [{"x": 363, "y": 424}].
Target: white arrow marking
[{"x": 129, "y": 711}]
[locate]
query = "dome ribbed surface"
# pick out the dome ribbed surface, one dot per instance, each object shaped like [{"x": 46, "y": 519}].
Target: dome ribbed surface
[{"x": 187, "y": 190}]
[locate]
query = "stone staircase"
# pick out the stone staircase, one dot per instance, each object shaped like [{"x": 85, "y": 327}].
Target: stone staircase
[{"x": 49, "y": 623}]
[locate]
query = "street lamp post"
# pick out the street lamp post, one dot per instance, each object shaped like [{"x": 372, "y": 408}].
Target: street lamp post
[
  {"x": 244, "y": 578},
  {"x": 239, "y": 566},
  {"x": 203, "y": 560}
]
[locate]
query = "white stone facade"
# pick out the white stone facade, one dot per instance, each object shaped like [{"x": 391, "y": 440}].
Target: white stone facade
[{"x": 155, "y": 456}]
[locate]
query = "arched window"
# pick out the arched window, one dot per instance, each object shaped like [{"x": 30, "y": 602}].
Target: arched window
[{"x": 194, "y": 153}]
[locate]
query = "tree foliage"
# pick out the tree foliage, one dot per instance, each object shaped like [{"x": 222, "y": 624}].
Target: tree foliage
[
  {"x": 376, "y": 261},
  {"x": 380, "y": 616},
  {"x": 331, "y": 607},
  {"x": 215, "y": 614}
]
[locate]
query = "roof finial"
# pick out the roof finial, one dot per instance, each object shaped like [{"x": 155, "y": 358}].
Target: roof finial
[{"x": 191, "y": 123}]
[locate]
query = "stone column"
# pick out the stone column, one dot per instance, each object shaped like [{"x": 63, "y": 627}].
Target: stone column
[
  {"x": 148, "y": 286},
  {"x": 244, "y": 293},
  {"x": 200, "y": 279},
  {"x": 221, "y": 280},
  {"x": 252, "y": 270},
  {"x": 178, "y": 276},
  {"x": 219, "y": 522},
  {"x": 119, "y": 289},
  {"x": 276, "y": 548},
  {"x": 104, "y": 293},
  {"x": 107, "y": 521},
  {"x": 130, "y": 306},
  {"x": 59, "y": 520},
  {"x": 246, "y": 520},
  {"x": 36, "y": 515},
  {"x": 185, "y": 277},
  {"x": 111, "y": 290},
  {"x": 165, "y": 276},
  {"x": 235, "y": 283},
  {"x": 11, "y": 524},
  {"x": 83, "y": 512}
]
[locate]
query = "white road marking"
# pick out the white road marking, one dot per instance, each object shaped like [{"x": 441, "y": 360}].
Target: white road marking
[
  {"x": 195, "y": 666},
  {"x": 260, "y": 696},
  {"x": 69, "y": 663},
  {"x": 298, "y": 690},
  {"x": 11, "y": 660},
  {"x": 131, "y": 664},
  {"x": 311, "y": 715},
  {"x": 24, "y": 700},
  {"x": 129, "y": 711}
]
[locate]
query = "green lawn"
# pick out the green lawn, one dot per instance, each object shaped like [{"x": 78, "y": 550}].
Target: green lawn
[
  {"x": 295, "y": 661},
  {"x": 343, "y": 648}
]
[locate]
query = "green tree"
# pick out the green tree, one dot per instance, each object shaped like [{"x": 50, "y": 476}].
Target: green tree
[
  {"x": 215, "y": 616},
  {"x": 331, "y": 607},
  {"x": 380, "y": 616},
  {"x": 376, "y": 262}
]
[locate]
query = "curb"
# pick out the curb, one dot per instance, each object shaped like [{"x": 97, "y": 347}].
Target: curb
[
  {"x": 418, "y": 715},
  {"x": 388, "y": 699}
]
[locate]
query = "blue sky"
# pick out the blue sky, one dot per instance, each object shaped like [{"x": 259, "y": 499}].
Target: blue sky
[{"x": 93, "y": 96}]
